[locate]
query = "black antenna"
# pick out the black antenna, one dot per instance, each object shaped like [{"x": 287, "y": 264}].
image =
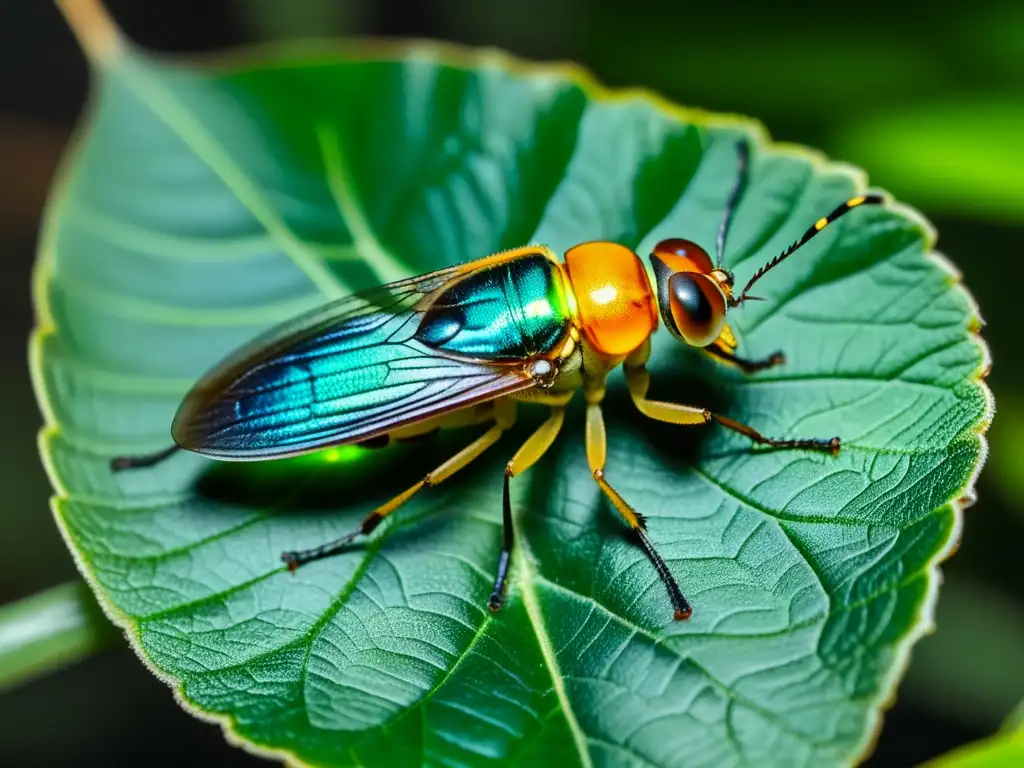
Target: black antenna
[
  {"x": 743, "y": 150},
  {"x": 820, "y": 224}
]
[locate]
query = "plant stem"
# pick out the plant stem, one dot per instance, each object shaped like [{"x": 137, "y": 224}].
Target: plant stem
[
  {"x": 50, "y": 630},
  {"x": 93, "y": 27}
]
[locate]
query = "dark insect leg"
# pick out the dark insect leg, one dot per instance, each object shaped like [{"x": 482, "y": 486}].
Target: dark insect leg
[
  {"x": 744, "y": 364},
  {"x": 596, "y": 453},
  {"x": 300, "y": 557},
  {"x": 638, "y": 380},
  {"x": 461, "y": 459},
  {"x": 826, "y": 444},
  {"x": 375, "y": 442},
  {"x": 139, "y": 462},
  {"x": 530, "y": 451},
  {"x": 508, "y": 540}
]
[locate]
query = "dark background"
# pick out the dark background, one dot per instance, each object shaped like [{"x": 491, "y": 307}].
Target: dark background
[{"x": 927, "y": 97}]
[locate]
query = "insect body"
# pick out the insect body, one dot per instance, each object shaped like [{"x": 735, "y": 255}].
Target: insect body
[{"x": 461, "y": 346}]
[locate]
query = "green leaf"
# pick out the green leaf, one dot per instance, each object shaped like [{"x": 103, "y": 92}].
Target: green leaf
[
  {"x": 201, "y": 205},
  {"x": 1015, "y": 720},
  {"x": 1004, "y": 750}
]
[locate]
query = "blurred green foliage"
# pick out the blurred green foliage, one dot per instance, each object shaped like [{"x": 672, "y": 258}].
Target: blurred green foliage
[
  {"x": 1004, "y": 750},
  {"x": 930, "y": 104},
  {"x": 48, "y": 631},
  {"x": 961, "y": 156}
]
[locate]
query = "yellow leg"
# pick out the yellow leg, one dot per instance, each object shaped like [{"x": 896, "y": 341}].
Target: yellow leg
[
  {"x": 505, "y": 417},
  {"x": 596, "y": 456},
  {"x": 718, "y": 352},
  {"x": 639, "y": 381},
  {"x": 536, "y": 445}
]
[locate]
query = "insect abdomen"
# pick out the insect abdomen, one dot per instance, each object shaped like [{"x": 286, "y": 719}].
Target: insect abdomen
[{"x": 512, "y": 311}]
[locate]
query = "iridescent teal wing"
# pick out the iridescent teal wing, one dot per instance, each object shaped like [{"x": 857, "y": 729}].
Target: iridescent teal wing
[
  {"x": 351, "y": 370},
  {"x": 381, "y": 359}
]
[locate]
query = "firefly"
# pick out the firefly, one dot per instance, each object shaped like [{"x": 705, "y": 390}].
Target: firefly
[{"x": 461, "y": 347}]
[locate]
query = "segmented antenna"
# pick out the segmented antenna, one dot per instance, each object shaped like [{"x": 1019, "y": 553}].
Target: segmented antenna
[
  {"x": 820, "y": 224},
  {"x": 743, "y": 150}
]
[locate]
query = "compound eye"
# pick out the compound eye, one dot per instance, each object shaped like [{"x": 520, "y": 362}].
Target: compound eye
[
  {"x": 683, "y": 256},
  {"x": 697, "y": 306}
]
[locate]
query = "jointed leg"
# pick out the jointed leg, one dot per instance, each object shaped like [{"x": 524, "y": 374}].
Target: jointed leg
[
  {"x": 639, "y": 380},
  {"x": 826, "y": 444},
  {"x": 530, "y": 451},
  {"x": 596, "y": 454},
  {"x": 744, "y": 364},
  {"x": 464, "y": 457},
  {"x": 139, "y": 462}
]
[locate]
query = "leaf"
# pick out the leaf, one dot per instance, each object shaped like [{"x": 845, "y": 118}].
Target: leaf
[
  {"x": 1004, "y": 750},
  {"x": 1015, "y": 720},
  {"x": 202, "y": 204}
]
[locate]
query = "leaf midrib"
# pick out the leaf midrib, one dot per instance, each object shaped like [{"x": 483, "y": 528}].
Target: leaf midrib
[
  {"x": 525, "y": 577},
  {"x": 161, "y": 101},
  {"x": 339, "y": 181}
]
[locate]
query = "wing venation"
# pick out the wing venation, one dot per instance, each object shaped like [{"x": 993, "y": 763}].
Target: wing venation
[{"x": 342, "y": 373}]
